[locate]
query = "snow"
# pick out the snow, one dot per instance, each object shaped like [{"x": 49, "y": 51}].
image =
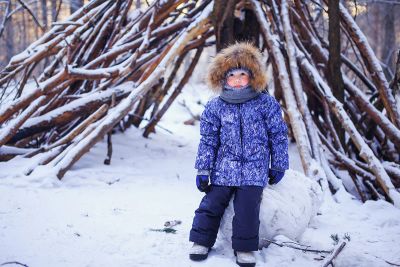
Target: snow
[
  {"x": 13, "y": 150},
  {"x": 101, "y": 215},
  {"x": 283, "y": 211}
]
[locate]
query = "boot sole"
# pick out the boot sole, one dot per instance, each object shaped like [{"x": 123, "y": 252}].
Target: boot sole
[
  {"x": 199, "y": 257},
  {"x": 241, "y": 264}
]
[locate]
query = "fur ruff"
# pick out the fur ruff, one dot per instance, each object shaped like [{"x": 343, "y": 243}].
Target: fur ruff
[{"x": 240, "y": 54}]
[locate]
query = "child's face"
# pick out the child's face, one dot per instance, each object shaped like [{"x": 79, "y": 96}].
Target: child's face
[{"x": 238, "y": 79}]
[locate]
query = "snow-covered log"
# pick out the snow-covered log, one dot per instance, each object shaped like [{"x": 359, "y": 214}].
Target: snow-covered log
[
  {"x": 373, "y": 64},
  {"x": 125, "y": 106},
  {"x": 296, "y": 119},
  {"x": 286, "y": 208},
  {"x": 364, "y": 150},
  {"x": 297, "y": 86}
]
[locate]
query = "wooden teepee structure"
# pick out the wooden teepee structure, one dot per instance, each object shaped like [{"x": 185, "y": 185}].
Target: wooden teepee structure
[{"x": 106, "y": 67}]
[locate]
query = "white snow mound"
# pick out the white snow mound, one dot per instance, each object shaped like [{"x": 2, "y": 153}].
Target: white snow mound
[{"x": 286, "y": 208}]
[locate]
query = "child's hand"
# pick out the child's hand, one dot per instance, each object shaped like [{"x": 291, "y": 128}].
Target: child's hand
[
  {"x": 202, "y": 179},
  {"x": 275, "y": 176}
]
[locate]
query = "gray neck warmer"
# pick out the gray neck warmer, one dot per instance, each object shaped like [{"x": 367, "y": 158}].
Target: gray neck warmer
[{"x": 235, "y": 96}]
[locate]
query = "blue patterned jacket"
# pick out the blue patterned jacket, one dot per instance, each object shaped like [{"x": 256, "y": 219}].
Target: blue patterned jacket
[{"x": 239, "y": 141}]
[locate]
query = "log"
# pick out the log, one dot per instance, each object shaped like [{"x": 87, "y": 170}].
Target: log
[
  {"x": 297, "y": 86},
  {"x": 11, "y": 128},
  {"x": 122, "y": 109},
  {"x": 296, "y": 121},
  {"x": 283, "y": 211},
  {"x": 372, "y": 64},
  {"x": 74, "y": 109},
  {"x": 365, "y": 151},
  {"x": 154, "y": 120}
]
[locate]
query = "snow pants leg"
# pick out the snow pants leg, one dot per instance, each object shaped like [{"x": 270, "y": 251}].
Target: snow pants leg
[
  {"x": 208, "y": 216},
  {"x": 245, "y": 224}
]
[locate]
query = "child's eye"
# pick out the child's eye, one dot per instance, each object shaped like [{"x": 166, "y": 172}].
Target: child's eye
[{"x": 242, "y": 73}]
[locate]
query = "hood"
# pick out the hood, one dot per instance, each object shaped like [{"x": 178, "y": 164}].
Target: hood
[{"x": 241, "y": 54}]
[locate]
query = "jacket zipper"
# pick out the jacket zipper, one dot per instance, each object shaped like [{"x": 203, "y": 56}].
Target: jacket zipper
[{"x": 241, "y": 142}]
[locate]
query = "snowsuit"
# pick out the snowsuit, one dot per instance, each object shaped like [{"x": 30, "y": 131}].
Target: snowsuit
[{"x": 238, "y": 143}]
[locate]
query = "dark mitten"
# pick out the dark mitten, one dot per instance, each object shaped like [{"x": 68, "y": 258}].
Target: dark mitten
[
  {"x": 275, "y": 176},
  {"x": 202, "y": 179}
]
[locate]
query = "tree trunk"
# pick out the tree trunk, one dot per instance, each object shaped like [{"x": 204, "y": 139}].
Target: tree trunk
[
  {"x": 74, "y": 5},
  {"x": 334, "y": 76},
  {"x": 223, "y": 22},
  {"x": 10, "y": 45},
  {"x": 247, "y": 28},
  {"x": 54, "y": 12},
  {"x": 44, "y": 13},
  {"x": 389, "y": 41}
]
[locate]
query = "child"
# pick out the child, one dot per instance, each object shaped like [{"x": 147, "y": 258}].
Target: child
[{"x": 242, "y": 131}]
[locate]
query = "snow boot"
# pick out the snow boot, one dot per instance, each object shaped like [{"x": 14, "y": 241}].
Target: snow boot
[
  {"x": 245, "y": 259},
  {"x": 198, "y": 252}
]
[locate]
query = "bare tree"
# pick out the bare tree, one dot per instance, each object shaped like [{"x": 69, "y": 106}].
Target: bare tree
[
  {"x": 334, "y": 74},
  {"x": 75, "y": 5}
]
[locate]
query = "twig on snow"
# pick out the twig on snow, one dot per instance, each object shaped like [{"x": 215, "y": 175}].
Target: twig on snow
[
  {"x": 329, "y": 261},
  {"x": 14, "y": 262},
  {"x": 297, "y": 246}
]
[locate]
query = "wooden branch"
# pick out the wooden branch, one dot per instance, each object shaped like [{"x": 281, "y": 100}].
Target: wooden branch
[
  {"x": 5, "y": 17},
  {"x": 296, "y": 120},
  {"x": 122, "y": 109},
  {"x": 65, "y": 113},
  {"x": 297, "y": 246},
  {"x": 24, "y": 101},
  {"x": 359, "y": 73},
  {"x": 373, "y": 65},
  {"x": 72, "y": 134},
  {"x": 154, "y": 120},
  {"x": 378, "y": 118},
  {"x": 329, "y": 261},
  {"x": 9, "y": 152},
  {"x": 84, "y": 74},
  {"x": 159, "y": 96},
  {"x": 297, "y": 86},
  {"x": 14, "y": 262},
  {"x": 66, "y": 23},
  {"x": 107, "y": 161},
  {"x": 25, "y": 6},
  {"x": 348, "y": 162},
  {"x": 390, "y": 130},
  {"x": 11, "y": 128},
  {"x": 365, "y": 151}
]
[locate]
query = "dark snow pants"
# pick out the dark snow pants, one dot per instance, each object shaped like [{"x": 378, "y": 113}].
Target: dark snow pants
[{"x": 245, "y": 224}]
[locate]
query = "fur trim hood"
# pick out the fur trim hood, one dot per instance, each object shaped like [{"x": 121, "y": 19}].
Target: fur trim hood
[{"x": 241, "y": 54}]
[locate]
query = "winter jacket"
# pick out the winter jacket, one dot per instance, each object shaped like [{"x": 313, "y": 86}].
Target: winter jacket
[{"x": 239, "y": 142}]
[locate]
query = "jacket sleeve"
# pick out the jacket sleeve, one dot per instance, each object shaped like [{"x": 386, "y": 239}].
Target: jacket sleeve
[
  {"x": 209, "y": 141},
  {"x": 277, "y": 137}
]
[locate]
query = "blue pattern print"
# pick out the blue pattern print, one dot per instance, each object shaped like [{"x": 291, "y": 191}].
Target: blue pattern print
[{"x": 239, "y": 141}]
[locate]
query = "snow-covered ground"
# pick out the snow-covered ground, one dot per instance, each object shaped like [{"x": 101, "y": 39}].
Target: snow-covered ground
[{"x": 101, "y": 215}]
